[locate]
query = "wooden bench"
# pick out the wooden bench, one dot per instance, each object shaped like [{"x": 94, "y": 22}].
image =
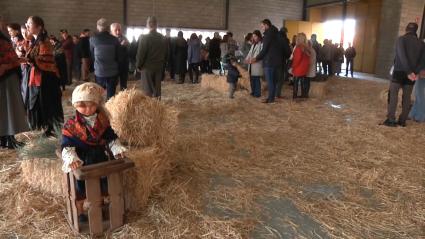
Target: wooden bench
[{"x": 91, "y": 174}]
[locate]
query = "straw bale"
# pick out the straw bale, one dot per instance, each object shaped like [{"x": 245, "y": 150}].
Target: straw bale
[
  {"x": 151, "y": 166},
  {"x": 41, "y": 169},
  {"x": 318, "y": 89},
  {"x": 140, "y": 120},
  {"x": 44, "y": 175},
  {"x": 244, "y": 81},
  {"x": 215, "y": 82}
]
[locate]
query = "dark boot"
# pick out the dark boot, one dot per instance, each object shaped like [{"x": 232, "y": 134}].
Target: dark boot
[
  {"x": 3, "y": 141},
  {"x": 390, "y": 123},
  {"x": 402, "y": 123},
  {"x": 12, "y": 143},
  {"x": 295, "y": 89}
]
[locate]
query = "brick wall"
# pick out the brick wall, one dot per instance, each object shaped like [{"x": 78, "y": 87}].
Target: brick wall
[
  {"x": 75, "y": 15},
  {"x": 203, "y": 14},
  {"x": 245, "y": 16},
  {"x": 411, "y": 11},
  {"x": 395, "y": 15}
]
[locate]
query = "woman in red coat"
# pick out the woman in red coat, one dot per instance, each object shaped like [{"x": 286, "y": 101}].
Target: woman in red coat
[{"x": 300, "y": 66}]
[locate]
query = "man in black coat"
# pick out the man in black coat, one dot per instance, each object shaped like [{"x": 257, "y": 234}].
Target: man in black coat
[
  {"x": 124, "y": 63},
  {"x": 272, "y": 57},
  {"x": 214, "y": 51},
  {"x": 283, "y": 69},
  {"x": 350, "y": 54},
  {"x": 406, "y": 63},
  {"x": 84, "y": 52}
]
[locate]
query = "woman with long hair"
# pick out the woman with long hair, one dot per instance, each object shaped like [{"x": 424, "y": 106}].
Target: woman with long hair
[
  {"x": 60, "y": 60},
  {"x": 44, "y": 106},
  {"x": 14, "y": 30},
  {"x": 300, "y": 66},
  {"x": 12, "y": 112}
]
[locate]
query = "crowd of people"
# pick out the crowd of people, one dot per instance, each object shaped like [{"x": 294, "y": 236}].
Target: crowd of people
[{"x": 35, "y": 67}]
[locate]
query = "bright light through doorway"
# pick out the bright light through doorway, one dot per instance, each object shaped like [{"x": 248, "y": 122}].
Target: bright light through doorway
[
  {"x": 333, "y": 30},
  {"x": 137, "y": 31}
]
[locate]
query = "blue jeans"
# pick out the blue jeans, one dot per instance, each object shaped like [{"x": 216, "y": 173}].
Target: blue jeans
[
  {"x": 108, "y": 83},
  {"x": 270, "y": 74},
  {"x": 255, "y": 86},
  {"x": 418, "y": 110}
]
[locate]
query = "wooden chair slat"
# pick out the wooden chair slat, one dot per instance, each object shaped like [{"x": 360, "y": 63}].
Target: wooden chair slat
[
  {"x": 86, "y": 168},
  {"x": 103, "y": 171},
  {"x": 95, "y": 200},
  {"x": 116, "y": 206},
  {"x": 73, "y": 199},
  {"x": 66, "y": 189}
]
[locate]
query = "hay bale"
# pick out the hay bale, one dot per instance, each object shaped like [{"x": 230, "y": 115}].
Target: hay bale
[
  {"x": 141, "y": 121},
  {"x": 318, "y": 89},
  {"x": 244, "y": 81},
  {"x": 44, "y": 175},
  {"x": 214, "y": 82},
  {"x": 41, "y": 169},
  {"x": 152, "y": 165}
]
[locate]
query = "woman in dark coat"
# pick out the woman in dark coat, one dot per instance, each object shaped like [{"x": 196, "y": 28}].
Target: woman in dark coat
[
  {"x": 44, "y": 106},
  {"x": 12, "y": 112},
  {"x": 60, "y": 60},
  {"x": 180, "y": 57}
]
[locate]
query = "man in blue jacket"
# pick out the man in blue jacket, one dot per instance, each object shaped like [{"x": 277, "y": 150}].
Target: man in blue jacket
[
  {"x": 272, "y": 57},
  {"x": 105, "y": 52}
]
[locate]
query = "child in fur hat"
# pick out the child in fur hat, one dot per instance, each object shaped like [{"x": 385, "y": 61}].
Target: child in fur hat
[{"x": 88, "y": 138}]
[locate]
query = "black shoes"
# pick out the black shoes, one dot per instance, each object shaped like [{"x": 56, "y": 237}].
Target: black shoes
[
  {"x": 402, "y": 123},
  {"x": 393, "y": 123},
  {"x": 390, "y": 123},
  {"x": 267, "y": 101},
  {"x": 3, "y": 141},
  {"x": 10, "y": 142}
]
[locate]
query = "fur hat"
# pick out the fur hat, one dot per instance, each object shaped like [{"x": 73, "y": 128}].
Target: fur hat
[{"x": 88, "y": 92}]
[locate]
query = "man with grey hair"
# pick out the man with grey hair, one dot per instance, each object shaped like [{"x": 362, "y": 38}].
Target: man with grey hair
[
  {"x": 151, "y": 58},
  {"x": 105, "y": 52},
  {"x": 123, "y": 65}
]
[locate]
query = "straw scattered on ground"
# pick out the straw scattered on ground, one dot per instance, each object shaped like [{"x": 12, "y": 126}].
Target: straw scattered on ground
[{"x": 233, "y": 156}]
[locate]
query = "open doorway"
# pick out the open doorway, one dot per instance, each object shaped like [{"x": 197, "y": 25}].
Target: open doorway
[
  {"x": 135, "y": 32},
  {"x": 340, "y": 31}
]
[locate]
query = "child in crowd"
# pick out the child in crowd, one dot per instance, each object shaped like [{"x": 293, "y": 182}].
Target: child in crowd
[
  {"x": 232, "y": 76},
  {"x": 88, "y": 138}
]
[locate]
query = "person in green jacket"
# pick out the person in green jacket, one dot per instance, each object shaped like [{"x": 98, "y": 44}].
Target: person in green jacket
[{"x": 151, "y": 59}]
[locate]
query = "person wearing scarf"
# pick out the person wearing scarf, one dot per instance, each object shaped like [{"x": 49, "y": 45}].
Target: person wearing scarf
[
  {"x": 44, "y": 104},
  {"x": 87, "y": 138},
  {"x": 12, "y": 112}
]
